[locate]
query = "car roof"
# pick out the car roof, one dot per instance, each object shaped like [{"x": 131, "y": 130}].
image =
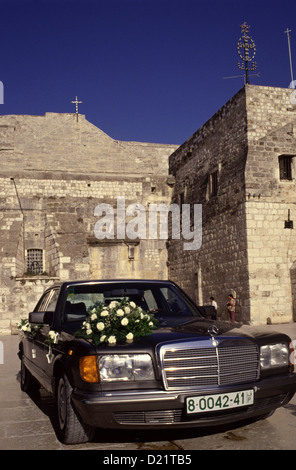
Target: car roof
[{"x": 110, "y": 281}]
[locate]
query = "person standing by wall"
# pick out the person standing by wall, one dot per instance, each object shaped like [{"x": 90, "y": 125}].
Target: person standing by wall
[
  {"x": 214, "y": 304},
  {"x": 231, "y": 308}
]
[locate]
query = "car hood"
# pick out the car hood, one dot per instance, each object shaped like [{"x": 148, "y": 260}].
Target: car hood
[
  {"x": 197, "y": 330},
  {"x": 201, "y": 329}
]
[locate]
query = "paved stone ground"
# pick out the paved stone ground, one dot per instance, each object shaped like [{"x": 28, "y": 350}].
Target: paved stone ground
[{"x": 28, "y": 423}]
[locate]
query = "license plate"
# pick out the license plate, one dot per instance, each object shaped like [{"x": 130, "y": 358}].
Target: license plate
[{"x": 219, "y": 402}]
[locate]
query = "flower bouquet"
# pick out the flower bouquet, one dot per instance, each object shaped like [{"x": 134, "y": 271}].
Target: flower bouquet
[
  {"x": 119, "y": 322},
  {"x": 27, "y": 328}
]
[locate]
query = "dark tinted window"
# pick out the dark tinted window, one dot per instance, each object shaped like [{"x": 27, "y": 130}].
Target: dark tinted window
[{"x": 160, "y": 299}]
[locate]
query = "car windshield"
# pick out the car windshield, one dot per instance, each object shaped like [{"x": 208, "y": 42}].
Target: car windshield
[{"x": 167, "y": 303}]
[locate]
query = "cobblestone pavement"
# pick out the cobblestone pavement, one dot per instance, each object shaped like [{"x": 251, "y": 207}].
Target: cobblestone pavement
[{"x": 27, "y": 422}]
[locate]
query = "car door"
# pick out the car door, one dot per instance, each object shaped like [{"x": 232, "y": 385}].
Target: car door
[{"x": 41, "y": 350}]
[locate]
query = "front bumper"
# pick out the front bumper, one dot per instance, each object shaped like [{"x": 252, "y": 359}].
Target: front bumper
[{"x": 144, "y": 409}]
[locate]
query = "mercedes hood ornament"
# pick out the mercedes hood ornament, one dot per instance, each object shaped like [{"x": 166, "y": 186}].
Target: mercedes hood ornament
[{"x": 213, "y": 330}]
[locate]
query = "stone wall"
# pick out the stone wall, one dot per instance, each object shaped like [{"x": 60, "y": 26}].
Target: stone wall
[
  {"x": 57, "y": 143},
  {"x": 247, "y": 248},
  {"x": 54, "y": 173},
  {"x": 217, "y": 150},
  {"x": 270, "y": 202}
]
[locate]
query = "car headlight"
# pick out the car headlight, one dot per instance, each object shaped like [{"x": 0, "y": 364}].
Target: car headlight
[
  {"x": 125, "y": 367},
  {"x": 274, "y": 355}
]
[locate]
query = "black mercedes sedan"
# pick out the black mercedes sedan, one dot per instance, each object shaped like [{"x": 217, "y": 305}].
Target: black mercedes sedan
[{"x": 139, "y": 354}]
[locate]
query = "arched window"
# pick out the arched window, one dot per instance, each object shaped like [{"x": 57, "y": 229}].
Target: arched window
[{"x": 35, "y": 261}]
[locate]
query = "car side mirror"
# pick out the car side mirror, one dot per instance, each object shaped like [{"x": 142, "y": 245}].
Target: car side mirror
[{"x": 41, "y": 317}]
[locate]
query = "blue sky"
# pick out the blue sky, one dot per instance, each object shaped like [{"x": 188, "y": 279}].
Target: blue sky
[{"x": 146, "y": 70}]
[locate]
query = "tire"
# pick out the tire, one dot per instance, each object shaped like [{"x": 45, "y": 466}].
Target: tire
[
  {"x": 28, "y": 383},
  {"x": 71, "y": 429}
]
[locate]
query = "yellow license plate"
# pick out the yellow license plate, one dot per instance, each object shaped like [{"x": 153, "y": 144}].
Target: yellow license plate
[{"x": 219, "y": 402}]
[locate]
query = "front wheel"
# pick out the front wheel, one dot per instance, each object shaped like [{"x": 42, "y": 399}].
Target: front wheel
[{"x": 70, "y": 426}]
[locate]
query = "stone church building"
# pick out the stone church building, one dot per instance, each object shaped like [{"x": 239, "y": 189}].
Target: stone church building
[
  {"x": 241, "y": 166},
  {"x": 57, "y": 169}
]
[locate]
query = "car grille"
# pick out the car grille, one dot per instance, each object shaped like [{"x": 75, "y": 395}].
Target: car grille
[{"x": 186, "y": 367}]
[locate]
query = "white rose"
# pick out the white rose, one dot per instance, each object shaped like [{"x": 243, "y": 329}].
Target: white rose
[
  {"x": 113, "y": 304},
  {"x": 53, "y": 336},
  {"x": 129, "y": 336},
  {"x": 102, "y": 338},
  {"x": 132, "y": 304},
  {"x": 112, "y": 340},
  {"x": 100, "y": 326},
  {"x": 104, "y": 313},
  {"x": 120, "y": 312},
  {"x": 88, "y": 331},
  {"x": 127, "y": 310},
  {"x": 124, "y": 321},
  {"x": 94, "y": 316},
  {"x": 150, "y": 323}
]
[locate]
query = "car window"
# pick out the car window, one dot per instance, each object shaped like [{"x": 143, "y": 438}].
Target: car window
[
  {"x": 48, "y": 301},
  {"x": 177, "y": 305},
  {"x": 76, "y": 306},
  {"x": 159, "y": 299},
  {"x": 53, "y": 301}
]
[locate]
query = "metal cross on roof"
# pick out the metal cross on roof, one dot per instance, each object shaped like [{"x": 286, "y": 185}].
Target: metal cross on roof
[{"x": 76, "y": 102}]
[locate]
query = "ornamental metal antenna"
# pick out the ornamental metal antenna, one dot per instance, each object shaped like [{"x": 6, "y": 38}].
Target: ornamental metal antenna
[
  {"x": 246, "y": 50},
  {"x": 76, "y": 102},
  {"x": 288, "y": 31}
]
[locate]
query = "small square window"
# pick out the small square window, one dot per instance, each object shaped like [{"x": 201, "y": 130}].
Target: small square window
[
  {"x": 131, "y": 252},
  {"x": 35, "y": 261},
  {"x": 285, "y": 165}
]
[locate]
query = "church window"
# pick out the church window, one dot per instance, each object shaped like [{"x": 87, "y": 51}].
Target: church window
[
  {"x": 131, "y": 252},
  {"x": 213, "y": 183},
  {"x": 35, "y": 261},
  {"x": 285, "y": 165},
  {"x": 181, "y": 200}
]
